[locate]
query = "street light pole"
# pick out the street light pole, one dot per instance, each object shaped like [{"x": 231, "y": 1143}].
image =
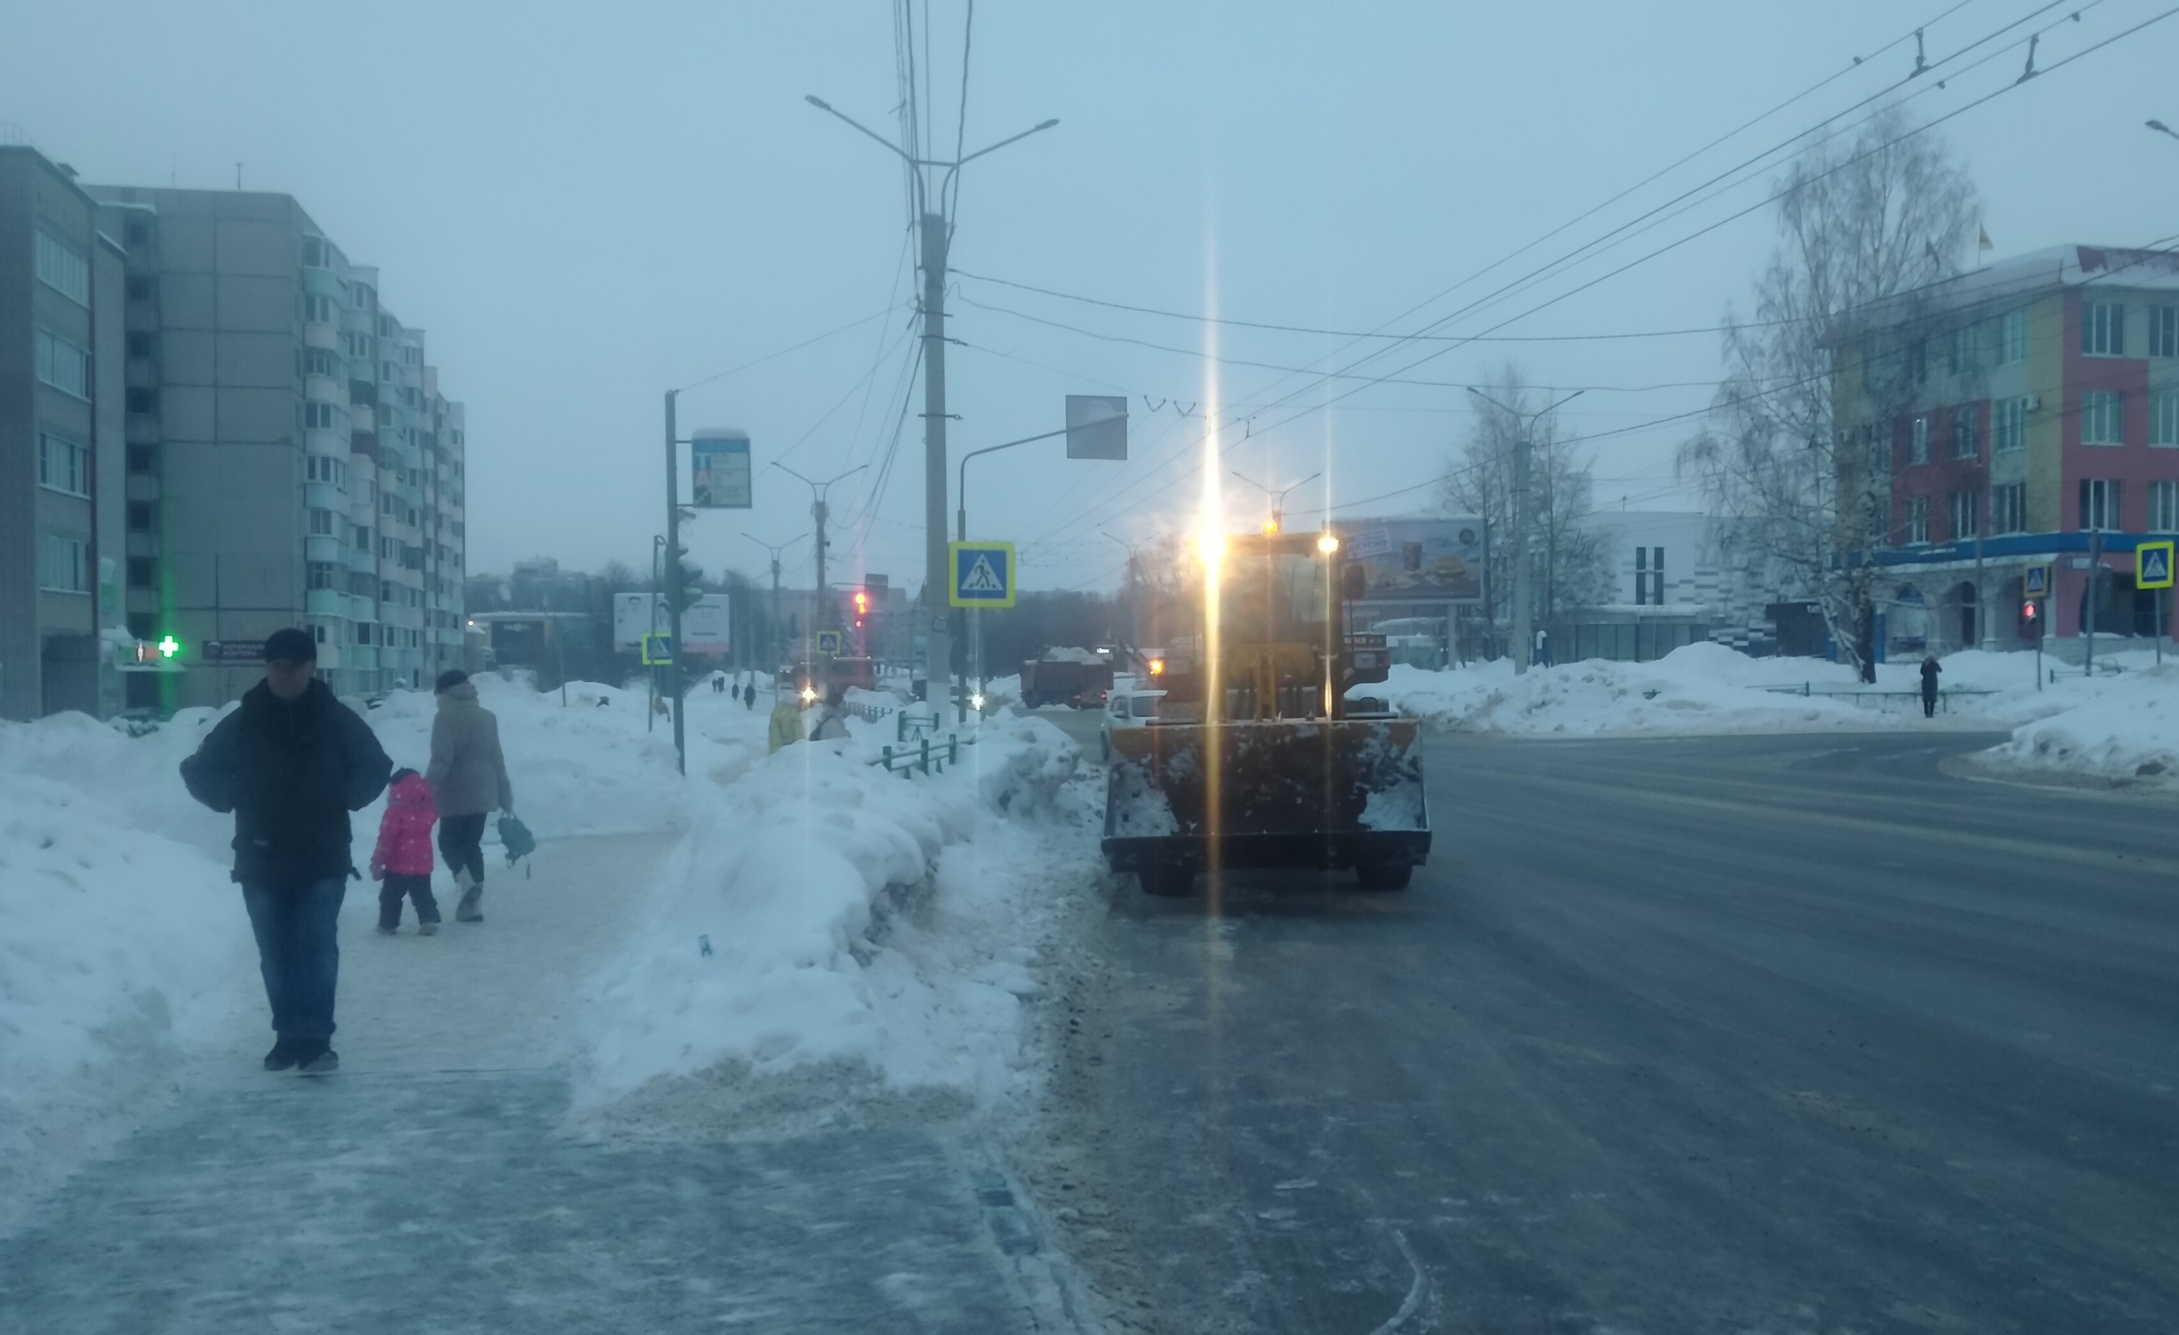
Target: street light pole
[
  {"x": 1278, "y": 497},
  {"x": 820, "y": 512},
  {"x": 934, "y": 228},
  {"x": 771, "y": 618},
  {"x": 1523, "y": 649},
  {"x": 673, "y": 583}
]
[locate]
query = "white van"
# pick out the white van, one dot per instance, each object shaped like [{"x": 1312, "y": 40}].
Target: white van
[{"x": 1126, "y": 709}]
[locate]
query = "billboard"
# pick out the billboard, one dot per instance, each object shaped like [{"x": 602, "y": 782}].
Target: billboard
[
  {"x": 1420, "y": 560},
  {"x": 719, "y": 470},
  {"x": 706, "y": 626}
]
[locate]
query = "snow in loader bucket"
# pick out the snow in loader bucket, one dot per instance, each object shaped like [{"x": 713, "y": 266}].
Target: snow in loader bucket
[{"x": 1311, "y": 794}]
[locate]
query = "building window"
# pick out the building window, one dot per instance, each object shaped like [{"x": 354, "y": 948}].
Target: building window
[
  {"x": 314, "y": 253},
  {"x": 2009, "y": 508},
  {"x": 324, "y": 524},
  {"x": 64, "y": 563},
  {"x": 140, "y": 288},
  {"x": 2103, "y": 329},
  {"x": 143, "y": 459},
  {"x": 1964, "y": 444},
  {"x": 2164, "y": 507},
  {"x": 322, "y": 574},
  {"x": 317, "y": 632},
  {"x": 143, "y": 572},
  {"x": 1918, "y": 519},
  {"x": 1918, "y": 443},
  {"x": 2164, "y": 418},
  {"x": 319, "y": 361},
  {"x": 2100, "y": 502},
  {"x": 143, "y": 401},
  {"x": 138, "y": 233},
  {"x": 2101, "y": 418},
  {"x": 63, "y": 268},
  {"x": 63, "y": 465},
  {"x": 63, "y": 365},
  {"x": 317, "y": 309},
  {"x": 1966, "y": 514},
  {"x": 2164, "y": 331},
  {"x": 1962, "y": 350},
  {"x": 321, "y": 469},
  {"x": 2012, "y": 338},
  {"x": 143, "y": 345},
  {"x": 140, "y": 516},
  {"x": 319, "y": 416},
  {"x": 2012, "y": 424}
]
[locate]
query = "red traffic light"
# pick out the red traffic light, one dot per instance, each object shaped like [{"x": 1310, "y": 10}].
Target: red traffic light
[{"x": 2027, "y": 610}]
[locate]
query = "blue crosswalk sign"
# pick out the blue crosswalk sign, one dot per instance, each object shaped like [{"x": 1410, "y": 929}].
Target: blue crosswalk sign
[
  {"x": 2152, "y": 565},
  {"x": 983, "y": 574},
  {"x": 2036, "y": 583}
]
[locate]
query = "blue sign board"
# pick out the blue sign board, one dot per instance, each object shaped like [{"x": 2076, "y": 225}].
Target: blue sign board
[{"x": 983, "y": 574}]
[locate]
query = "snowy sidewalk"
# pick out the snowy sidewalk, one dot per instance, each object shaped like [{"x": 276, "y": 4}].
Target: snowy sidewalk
[{"x": 437, "y": 1183}]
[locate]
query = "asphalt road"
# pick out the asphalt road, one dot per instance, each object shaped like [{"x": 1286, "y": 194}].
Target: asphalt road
[{"x": 1789, "y": 1034}]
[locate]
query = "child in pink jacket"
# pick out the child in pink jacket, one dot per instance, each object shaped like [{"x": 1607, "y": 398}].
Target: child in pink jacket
[{"x": 402, "y": 861}]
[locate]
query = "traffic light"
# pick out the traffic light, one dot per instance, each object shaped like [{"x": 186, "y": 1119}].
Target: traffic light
[
  {"x": 2028, "y": 613},
  {"x": 862, "y": 607}
]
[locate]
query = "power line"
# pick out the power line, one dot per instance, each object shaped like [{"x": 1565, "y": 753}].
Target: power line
[
  {"x": 771, "y": 356},
  {"x": 1335, "y": 398},
  {"x": 1332, "y": 333}
]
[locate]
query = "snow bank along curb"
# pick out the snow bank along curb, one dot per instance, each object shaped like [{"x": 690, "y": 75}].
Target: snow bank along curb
[{"x": 855, "y": 933}]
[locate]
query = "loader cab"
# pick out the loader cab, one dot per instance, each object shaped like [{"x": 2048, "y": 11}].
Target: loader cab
[{"x": 1273, "y": 627}]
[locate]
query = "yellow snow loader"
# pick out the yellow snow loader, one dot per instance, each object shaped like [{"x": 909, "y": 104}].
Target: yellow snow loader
[{"x": 1257, "y": 756}]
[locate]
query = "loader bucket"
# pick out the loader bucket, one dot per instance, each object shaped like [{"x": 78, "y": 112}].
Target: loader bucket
[{"x": 1346, "y": 793}]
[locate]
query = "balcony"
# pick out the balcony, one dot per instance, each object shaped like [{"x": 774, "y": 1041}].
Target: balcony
[
  {"x": 324, "y": 336},
  {"x": 325, "y": 496},
  {"x": 318, "y": 547},
  {"x": 330, "y": 604}
]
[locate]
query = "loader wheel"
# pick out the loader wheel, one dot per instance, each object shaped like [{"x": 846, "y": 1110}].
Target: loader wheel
[
  {"x": 1384, "y": 875},
  {"x": 1165, "y": 880}
]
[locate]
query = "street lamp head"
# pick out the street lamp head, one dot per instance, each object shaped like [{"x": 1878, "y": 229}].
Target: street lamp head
[
  {"x": 2159, "y": 127},
  {"x": 817, "y": 102},
  {"x": 1049, "y": 124}
]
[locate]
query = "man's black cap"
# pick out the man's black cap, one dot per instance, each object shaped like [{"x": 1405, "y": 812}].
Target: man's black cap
[{"x": 291, "y": 646}]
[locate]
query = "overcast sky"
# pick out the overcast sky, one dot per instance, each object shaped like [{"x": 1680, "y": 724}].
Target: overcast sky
[{"x": 585, "y": 204}]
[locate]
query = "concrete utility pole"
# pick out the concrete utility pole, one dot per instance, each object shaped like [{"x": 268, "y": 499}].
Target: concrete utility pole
[
  {"x": 1524, "y": 427},
  {"x": 937, "y": 577},
  {"x": 935, "y": 228},
  {"x": 673, "y": 584},
  {"x": 771, "y": 620},
  {"x": 820, "y": 511}
]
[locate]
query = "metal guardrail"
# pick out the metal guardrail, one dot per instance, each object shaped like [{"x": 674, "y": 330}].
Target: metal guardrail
[
  {"x": 923, "y": 758},
  {"x": 1808, "y": 689}
]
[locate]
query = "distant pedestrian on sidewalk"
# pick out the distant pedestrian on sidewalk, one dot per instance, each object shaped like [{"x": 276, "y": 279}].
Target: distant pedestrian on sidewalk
[
  {"x": 1543, "y": 649},
  {"x": 749, "y": 695},
  {"x": 401, "y": 863},
  {"x": 1930, "y": 669},
  {"x": 468, "y": 778},
  {"x": 291, "y": 763}
]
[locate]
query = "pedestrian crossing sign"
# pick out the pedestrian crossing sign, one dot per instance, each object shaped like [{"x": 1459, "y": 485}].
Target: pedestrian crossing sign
[
  {"x": 2152, "y": 565},
  {"x": 830, "y": 642},
  {"x": 2036, "y": 583},
  {"x": 658, "y": 651},
  {"x": 983, "y": 574}
]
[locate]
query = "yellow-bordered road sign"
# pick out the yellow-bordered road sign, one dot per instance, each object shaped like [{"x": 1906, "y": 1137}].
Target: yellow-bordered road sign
[
  {"x": 2152, "y": 565},
  {"x": 983, "y": 574}
]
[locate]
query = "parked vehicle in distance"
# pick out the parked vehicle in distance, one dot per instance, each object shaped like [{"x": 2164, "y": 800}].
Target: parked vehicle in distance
[{"x": 1126, "y": 708}]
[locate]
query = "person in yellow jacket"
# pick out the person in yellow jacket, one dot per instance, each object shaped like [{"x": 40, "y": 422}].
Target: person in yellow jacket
[{"x": 786, "y": 720}]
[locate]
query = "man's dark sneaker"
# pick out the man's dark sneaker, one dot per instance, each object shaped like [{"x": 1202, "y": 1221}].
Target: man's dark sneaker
[
  {"x": 281, "y": 1057},
  {"x": 316, "y": 1058}
]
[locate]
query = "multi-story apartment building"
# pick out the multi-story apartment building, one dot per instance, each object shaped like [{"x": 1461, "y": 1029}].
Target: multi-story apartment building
[
  {"x": 2023, "y": 426},
  {"x": 60, "y": 442},
  {"x": 290, "y": 458}
]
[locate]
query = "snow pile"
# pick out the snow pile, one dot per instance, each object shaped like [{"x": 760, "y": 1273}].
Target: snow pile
[
  {"x": 2119, "y": 727},
  {"x": 119, "y": 951},
  {"x": 828, "y": 919},
  {"x": 1698, "y": 688}
]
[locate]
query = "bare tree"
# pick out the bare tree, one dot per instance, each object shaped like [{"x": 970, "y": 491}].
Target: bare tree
[
  {"x": 1568, "y": 557},
  {"x": 1866, "y": 224}
]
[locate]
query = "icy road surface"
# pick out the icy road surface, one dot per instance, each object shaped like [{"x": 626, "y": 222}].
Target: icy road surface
[{"x": 438, "y": 1184}]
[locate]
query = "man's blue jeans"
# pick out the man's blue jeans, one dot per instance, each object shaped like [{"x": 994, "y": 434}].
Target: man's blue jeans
[{"x": 298, "y": 950}]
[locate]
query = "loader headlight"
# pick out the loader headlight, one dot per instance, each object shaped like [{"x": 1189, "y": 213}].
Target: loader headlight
[{"x": 1328, "y": 543}]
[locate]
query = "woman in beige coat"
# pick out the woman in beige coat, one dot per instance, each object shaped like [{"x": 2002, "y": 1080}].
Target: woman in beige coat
[{"x": 468, "y": 778}]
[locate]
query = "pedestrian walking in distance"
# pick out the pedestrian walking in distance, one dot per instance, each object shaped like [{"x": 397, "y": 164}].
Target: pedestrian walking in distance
[
  {"x": 401, "y": 864},
  {"x": 749, "y": 696},
  {"x": 1930, "y": 669},
  {"x": 468, "y": 778},
  {"x": 291, "y": 763}
]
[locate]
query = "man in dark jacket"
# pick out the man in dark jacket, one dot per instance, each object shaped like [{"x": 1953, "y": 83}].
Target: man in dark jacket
[
  {"x": 291, "y": 763},
  {"x": 1930, "y": 669}
]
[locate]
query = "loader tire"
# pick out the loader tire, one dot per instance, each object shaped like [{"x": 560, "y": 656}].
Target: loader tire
[
  {"x": 1165, "y": 880},
  {"x": 1384, "y": 875}
]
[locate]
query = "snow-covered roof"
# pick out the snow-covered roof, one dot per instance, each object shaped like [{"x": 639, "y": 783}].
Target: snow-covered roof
[{"x": 2029, "y": 275}]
